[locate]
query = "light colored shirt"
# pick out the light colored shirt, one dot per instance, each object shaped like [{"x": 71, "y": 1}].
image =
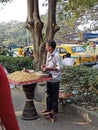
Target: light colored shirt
[
  {"x": 69, "y": 61},
  {"x": 54, "y": 61}
]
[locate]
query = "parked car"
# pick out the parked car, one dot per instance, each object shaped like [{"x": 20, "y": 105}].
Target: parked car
[
  {"x": 79, "y": 53},
  {"x": 61, "y": 51},
  {"x": 31, "y": 49}
]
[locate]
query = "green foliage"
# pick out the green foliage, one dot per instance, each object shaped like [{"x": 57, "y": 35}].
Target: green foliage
[
  {"x": 14, "y": 33},
  {"x": 80, "y": 77},
  {"x": 16, "y": 63},
  {"x": 73, "y": 9},
  {"x": 83, "y": 80},
  {"x": 78, "y": 8}
]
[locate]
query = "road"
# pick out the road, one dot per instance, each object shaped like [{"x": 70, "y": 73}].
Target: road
[{"x": 64, "y": 122}]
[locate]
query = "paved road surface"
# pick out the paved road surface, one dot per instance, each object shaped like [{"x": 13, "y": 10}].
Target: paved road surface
[{"x": 64, "y": 122}]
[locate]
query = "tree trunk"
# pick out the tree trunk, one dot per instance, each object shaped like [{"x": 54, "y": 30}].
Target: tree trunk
[
  {"x": 52, "y": 27},
  {"x": 35, "y": 26}
]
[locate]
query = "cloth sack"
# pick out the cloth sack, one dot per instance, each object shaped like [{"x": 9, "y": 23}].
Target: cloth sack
[{"x": 39, "y": 92}]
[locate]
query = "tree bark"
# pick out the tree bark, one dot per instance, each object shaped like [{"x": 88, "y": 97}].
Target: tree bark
[
  {"x": 35, "y": 26},
  {"x": 52, "y": 27}
]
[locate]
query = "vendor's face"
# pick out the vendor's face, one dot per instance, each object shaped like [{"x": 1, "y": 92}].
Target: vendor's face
[{"x": 49, "y": 48}]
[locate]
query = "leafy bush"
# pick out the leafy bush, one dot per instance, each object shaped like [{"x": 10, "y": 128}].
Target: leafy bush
[
  {"x": 80, "y": 76},
  {"x": 84, "y": 81},
  {"x": 16, "y": 63}
]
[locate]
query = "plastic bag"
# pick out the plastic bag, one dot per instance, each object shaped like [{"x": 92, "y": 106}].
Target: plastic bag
[{"x": 39, "y": 92}]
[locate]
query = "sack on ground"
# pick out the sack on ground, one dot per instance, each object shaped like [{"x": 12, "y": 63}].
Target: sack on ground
[{"x": 39, "y": 93}]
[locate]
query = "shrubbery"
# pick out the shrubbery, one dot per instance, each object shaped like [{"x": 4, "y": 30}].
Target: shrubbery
[
  {"x": 16, "y": 63},
  {"x": 80, "y": 76},
  {"x": 77, "y": 76},
  {"x": 83, "y": 80}
]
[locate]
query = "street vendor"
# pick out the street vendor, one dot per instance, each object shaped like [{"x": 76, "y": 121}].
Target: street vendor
[{"x": 53, "y": 66}]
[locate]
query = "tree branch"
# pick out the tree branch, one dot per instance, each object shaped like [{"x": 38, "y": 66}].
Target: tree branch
[
  {"x": 52, "y": 27},
  {"x": 30, "y": 10}
]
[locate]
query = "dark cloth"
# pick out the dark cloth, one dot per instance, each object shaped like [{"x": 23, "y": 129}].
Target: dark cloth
[{"x": 52, "y": 96}]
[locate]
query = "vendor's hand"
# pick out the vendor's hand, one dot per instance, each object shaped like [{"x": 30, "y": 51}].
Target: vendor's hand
[{"x": 43, "y": 67}]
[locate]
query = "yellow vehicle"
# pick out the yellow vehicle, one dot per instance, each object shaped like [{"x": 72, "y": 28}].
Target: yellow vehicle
[
  {"x": 79, "y": 53},
  {"x": 61, "y": 51},
  {"x": 30, "y": 50}
]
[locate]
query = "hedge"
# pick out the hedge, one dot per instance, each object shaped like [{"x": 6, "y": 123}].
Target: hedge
[
  {"x": 80, "y": 77},
  {"x": 16, "y": 63},
  {"x": 77, "y": 76},
  {"x": 84, "y": 80}
]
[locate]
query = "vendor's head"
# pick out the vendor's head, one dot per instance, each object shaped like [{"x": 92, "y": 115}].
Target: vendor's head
[{"x": 50, "y": 46}]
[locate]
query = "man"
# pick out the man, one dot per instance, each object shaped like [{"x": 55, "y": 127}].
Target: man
[
  {"x": 10, "y": 52},
  {"x": 54, "y": 67},
  {"x": 20, "y": 51},
  {"x": 69, "y": 61}
]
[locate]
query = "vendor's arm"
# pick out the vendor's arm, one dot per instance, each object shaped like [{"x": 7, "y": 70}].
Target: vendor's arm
[{"x": 51, "y": 69}]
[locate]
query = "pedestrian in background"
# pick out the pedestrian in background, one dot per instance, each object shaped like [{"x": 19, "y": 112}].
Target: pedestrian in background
[
  {"x": 10, "y": 52},
  {"x": 68, "y": 60},
  {"x": 20, "y": 51},
  {"x": 91, "y": 48},
  {"x": 28, "y": 53}
]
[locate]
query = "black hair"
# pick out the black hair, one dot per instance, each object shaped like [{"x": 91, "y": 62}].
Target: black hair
[
  {"x": 51, "y": 43},
  {"x": 64, "y": 56},
  {"x": 68, "y": 55}
]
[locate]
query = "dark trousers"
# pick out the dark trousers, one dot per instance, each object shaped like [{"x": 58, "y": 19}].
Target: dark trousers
[{"x": 52, "y": 96}]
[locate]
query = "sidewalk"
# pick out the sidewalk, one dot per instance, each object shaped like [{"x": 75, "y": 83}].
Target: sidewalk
[
  {"x": 68, "y": 118},
  {"x": 80, "y": 112}
]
